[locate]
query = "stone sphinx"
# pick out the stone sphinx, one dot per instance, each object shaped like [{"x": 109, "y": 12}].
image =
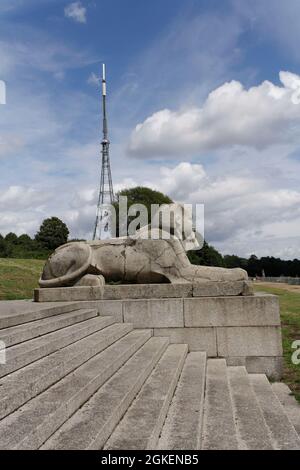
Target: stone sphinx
[{"x": 152, "y": 255}]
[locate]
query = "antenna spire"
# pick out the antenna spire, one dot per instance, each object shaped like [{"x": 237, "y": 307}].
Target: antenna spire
[{"x": 102, "y": 228}]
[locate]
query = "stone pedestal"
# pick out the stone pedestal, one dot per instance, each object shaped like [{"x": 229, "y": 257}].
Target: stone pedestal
[
  {"x": 243, "y": 328},
  {"x": 144, "y": 291}
]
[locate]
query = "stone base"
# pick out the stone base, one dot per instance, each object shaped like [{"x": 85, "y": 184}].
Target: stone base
[
  {"x": 245, "y": 330},
  {"x": 144, "y": 291}
]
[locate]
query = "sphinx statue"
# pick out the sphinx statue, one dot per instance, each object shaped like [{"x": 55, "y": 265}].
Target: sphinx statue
[{"x": 153, "y": 254}]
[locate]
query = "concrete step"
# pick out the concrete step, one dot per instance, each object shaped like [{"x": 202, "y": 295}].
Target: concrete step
[
  {"x": 27, "y": 331},
  {"x": 183, "y": 425},
  {"x": 219, "y": 431},
  {"x": 252, "y": 429},
  {"x": 17, "y": 312},
  {"x": 289, "y": 403},
  {"x": 24, "y": 384},
  {"x": 25, "y": 353},
  {"x": 31, "y": 425},
  {"x": 283, "y": 432},
  {"x": 91, "y": 426},
  {"x": 141, "y": 425}
]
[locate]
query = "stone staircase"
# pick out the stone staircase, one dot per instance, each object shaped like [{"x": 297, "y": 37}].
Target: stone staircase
[{"x": 77, "y": 380}]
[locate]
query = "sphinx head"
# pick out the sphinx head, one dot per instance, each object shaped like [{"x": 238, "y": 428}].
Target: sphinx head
[{"x": 177, "y": 221}]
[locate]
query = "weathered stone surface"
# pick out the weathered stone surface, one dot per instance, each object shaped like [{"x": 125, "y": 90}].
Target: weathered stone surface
[
  {"x": 147, "y": 291},
  {"x": 142, "y": 424},
  {"x": 251, "y": 427},
  {"x": 17, "y": 312},
  {"x": 289, "y": 403},
  {"x": 153, "y": 254},
  {"x": 154, "y": 313},
  {"x": 93, "y": 423},
  {"x": 112, "y": 308},
  {"x": 90, "y": 280},
  {"x": 28, "y": 382},
  {"x": 232, "y": 311},
  {"x": 137, "y": 291},
  {"x": 219, "y": 431},
  {"x": 68, "y": 294},
  {"x": 249, "y": 341},
  {"x": 222, "y": 288},
  {"x": 271, "y": 366},
  {"x": 31, "y": 426},
  {"x": 25, "y": 353},
  {"x": 183, "y": 425},
  {"x": 282, "y": 431},
  {"x": 18, "y": 334},
  {"x": 197, "y": 339}
]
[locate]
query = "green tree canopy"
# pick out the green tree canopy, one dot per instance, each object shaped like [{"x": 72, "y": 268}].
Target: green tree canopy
[
  {"x": 141, "y": 195},
  {"x": 11, "y": 238},
  {"x": 52, "y": 233},
  {"x": 25, "y": 240},
  {"x": 207, "y": 256},
  {"x": 4, "y": 250}
]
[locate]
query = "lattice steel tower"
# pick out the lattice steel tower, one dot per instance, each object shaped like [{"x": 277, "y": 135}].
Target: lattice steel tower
[{"x": 102, "y": 228}]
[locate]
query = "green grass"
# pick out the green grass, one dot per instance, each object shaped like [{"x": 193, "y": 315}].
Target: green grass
[
  {"x": 18, "y": 277},
  {"x": 290, "y": 321}
]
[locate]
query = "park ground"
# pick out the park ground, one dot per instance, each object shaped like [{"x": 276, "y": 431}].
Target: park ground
[
  {"x": 19, "y": 277},
  {"x": 289, "y": 299}
]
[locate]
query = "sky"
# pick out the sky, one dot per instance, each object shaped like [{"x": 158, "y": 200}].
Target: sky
[{"x": 203, "y": 105}]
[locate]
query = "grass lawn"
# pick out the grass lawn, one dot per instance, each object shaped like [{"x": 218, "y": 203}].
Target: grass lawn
[
  {"x": 290, "y": 321},
  {"x": 18, "y": 277}
]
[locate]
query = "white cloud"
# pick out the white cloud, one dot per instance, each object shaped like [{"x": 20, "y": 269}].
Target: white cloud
[
  {"x": 93, "y": 79},
  {"x": 21, "y": 197},
  {"x": 259, "y": 117},
  {"x": 238, "y": 209},
  {"x": 76, "y": 11},
  {"x": 251, "y": 196},
  {"x": 243, "y": 214}
]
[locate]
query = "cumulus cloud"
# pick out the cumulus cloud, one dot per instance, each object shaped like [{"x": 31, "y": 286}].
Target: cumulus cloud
[
  {"x": 76, "y": 11},
  {"x": 237, "y": 208},
  {"x": 258, "y": 117},
  {"x": 244, "y": 214},
  {"x": 20, "y": 197}
]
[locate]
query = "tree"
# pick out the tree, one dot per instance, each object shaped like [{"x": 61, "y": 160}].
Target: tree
[
  {"x": 25, "y": 241},
  {"x": 4, "y": 251},
  {"x": 11, "y": 238},
  {"x": 52, "y": 233},
  {"x": 233, "y": 261},
  {"x": 207, "y": 256},
  {"x": 254, "y": 266},
  {"x": 141, "y": 195}
]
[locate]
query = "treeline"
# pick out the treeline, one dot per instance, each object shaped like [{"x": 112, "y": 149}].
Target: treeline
[
  {"x": 52, "y": 233},
  {"x": 265, "y": 266}
]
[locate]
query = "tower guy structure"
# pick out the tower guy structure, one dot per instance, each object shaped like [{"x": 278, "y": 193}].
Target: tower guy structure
[{"x": 102, "y": 228}]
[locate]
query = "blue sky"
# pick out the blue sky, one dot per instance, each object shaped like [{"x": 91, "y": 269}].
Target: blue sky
[{"x": 197, "y": 108}]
